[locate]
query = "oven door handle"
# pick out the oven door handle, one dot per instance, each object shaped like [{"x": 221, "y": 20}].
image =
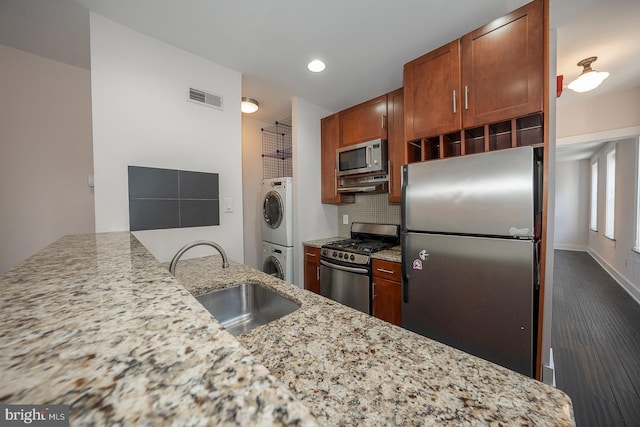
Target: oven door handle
[{"x": 344, "y": 268}]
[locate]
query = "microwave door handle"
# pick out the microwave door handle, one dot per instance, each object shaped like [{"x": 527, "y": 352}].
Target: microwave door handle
[{"x": 368, "y": 156}]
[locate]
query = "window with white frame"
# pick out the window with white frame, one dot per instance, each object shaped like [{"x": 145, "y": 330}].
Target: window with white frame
[
  {"x": 610, "y": 194},
  {"x": 593, "y": 220}
]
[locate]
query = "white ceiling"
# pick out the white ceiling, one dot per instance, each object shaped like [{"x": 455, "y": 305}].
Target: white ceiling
[{"x": 364, "y": 42}]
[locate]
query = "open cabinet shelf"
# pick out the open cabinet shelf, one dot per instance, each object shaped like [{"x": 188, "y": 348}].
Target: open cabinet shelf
[
  {"x": 474, "y": 140},
  {"x": 451, "y": 145},
  {"x": 516, "y": 132}
]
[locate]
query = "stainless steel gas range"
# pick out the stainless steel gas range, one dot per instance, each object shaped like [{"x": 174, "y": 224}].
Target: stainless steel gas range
[{"x": 345, "y": 265}]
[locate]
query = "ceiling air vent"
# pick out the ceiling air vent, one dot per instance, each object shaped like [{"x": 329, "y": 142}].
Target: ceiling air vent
[{"x": 206, "y": 98}]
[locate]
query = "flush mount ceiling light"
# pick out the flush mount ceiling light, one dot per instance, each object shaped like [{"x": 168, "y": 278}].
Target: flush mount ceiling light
[
  {"x": 249, "y": 105},
  {"x": 316, "y": 66},
  {"x": 590, "y": 78}
]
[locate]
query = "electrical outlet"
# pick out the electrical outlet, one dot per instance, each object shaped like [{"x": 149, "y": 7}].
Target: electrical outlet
[{"x": 345, "y": 219}]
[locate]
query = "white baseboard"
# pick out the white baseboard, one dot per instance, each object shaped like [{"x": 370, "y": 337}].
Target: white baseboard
[
  {"x": 565, "y": 247},
  {"x": 548, "y": 371},
  {"x": 622, "y": 281}
]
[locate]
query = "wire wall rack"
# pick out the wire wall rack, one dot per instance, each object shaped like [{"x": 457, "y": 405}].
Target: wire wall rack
[{"x": 276, "y": 151}]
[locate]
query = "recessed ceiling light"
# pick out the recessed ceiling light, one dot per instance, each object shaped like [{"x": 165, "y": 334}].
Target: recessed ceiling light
[{"x": 316, "y": 66}]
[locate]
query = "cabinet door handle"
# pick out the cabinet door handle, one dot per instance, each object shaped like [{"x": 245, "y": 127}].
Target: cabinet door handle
[
  {"x": 373, "y": 294},
  {"x": 382, "y": 270},
  {"x": 310, "y": 254},
  {"x": 454, "y": 102},
  {"x": 382, "y": 121},
  {"x": 318, "y": 273},
  {"x": 466, "y": 97}
]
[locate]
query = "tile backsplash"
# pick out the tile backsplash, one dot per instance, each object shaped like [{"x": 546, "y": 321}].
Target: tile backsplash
[{"x": 368, "y": 208}]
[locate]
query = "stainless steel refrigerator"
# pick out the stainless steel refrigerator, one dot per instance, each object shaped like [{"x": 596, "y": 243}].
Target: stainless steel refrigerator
[{"x": 470, "y": 236}]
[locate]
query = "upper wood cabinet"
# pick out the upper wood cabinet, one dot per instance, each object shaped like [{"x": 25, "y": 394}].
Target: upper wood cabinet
[
  {"x": 395, "y": 144},
  {"x": 330, "y": 141},
  {"x": 502, "y": 67},
  {"x": 364, "y": 122},
  {"x": 492, "y": 74},
  {"x": 432, "y": 93}
]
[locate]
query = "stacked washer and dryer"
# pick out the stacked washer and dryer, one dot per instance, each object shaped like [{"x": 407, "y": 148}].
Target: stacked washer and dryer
[{"x": 277, "y": 227}]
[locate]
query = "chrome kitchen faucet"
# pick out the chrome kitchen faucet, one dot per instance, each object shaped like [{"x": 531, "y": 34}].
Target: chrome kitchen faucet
[{"x": 178, "y": 255}]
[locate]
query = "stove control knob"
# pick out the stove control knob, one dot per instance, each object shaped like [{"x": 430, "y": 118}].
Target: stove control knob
[
  {"x": 335, "y": 253},
  {"x": 352, "y": 257},
  {"x": 340, "y": 255}
]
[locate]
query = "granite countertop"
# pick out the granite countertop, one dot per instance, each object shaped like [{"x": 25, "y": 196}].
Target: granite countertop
[
  {"x": 353, "y": 369},
  {"x": 95, "y": 322},
  {"x": 393, "y": 254}
]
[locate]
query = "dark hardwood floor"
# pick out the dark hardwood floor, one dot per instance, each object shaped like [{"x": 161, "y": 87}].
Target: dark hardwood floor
[{"x": 596, "y": 342}]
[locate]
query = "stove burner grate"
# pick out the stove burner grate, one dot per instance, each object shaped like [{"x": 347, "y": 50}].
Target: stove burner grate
[{"x": 359, "y": 245}]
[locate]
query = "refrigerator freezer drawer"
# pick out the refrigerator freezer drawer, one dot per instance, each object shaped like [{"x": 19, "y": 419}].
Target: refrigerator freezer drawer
[
  {"x": 475, "y": 294},
  {"x": 491, "y": 194}
]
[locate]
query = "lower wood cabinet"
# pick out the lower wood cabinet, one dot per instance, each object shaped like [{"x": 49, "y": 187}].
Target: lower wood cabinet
[
  {"x": 387, "y": 291},
  {"x": 312, "y": 269}
]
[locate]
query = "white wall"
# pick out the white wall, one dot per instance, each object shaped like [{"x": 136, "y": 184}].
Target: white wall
[
  {"x": 573, "y": 186},
  {"x": 618, "y": 110},
  {"x": 46, "y": 154},
  {"x": 141, "y": 117},
  {"x": 547, "y": 320},
  {"x": 251, "y": 190},
  {"x": 617, "y": 256},
  {"x": 311, "y": 219}
]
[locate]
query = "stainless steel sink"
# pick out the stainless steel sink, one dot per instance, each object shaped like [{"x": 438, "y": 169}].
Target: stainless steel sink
[{"x": 245, "y": 306}]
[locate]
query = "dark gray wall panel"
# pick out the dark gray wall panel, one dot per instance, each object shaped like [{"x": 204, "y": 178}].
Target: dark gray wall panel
[
  {"x": 198, "y": 213},
  {"x": 153, "y": 183},
  {"x": 198, "y": 185},
  {"x": 167, "y": 198},
  {"x": 152, "y": 214}
]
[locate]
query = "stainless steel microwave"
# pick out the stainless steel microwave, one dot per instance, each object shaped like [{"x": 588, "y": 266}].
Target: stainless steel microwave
[{"x": 370, "y": 156}]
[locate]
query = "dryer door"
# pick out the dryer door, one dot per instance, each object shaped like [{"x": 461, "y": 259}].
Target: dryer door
[
  {"x": 273, "y": 209},
  {"x": 273, "y": 267}
]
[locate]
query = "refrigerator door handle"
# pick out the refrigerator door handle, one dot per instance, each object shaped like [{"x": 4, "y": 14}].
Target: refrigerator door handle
[
  {"x": 405, "y": 291},
  {"x": 536, "y": 264},
  {"x": 403, "y": 243},
  {"x": 405, "y": 276}
]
